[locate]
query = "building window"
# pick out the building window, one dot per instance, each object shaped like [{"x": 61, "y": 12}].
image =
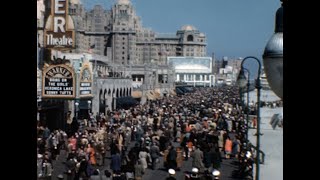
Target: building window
[
  {"x": 190, "y": 38},
  {"x": 123, "y": 38},
  {"x": 122, "y": 52},
  {"x": 122, "y": 58},
  {"x": 122, "y": 47}
]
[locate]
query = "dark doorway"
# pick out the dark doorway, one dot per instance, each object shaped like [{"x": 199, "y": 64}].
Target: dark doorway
[{"x": 53, "y": 116}]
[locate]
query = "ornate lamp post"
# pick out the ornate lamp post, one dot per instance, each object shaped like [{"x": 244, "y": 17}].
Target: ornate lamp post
[
  {"x": 258, "y": 87},
  {"x": 89, "y": 108},
  {"x": 76, "y": 109},
  {"x": 273, "y": 56},
  {"x": 243, "y": 83}
]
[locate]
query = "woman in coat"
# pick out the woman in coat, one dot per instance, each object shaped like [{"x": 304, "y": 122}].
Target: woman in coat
[
  {"x": 138, "y": 170},
  {"x": 228, "y": 147},
  {"x": 220, "y": 140},
  {"x": 179, "y": 157},
  {"x": 91, "y": 152},
  {"x": 143, "y": 155}
]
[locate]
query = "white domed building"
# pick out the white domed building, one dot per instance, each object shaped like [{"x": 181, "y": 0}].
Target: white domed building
[{"x": 195, "y": 71}]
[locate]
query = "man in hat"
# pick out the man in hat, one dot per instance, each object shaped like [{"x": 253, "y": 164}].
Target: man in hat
[
  {"x": 197, "y": 159},
  {"x": 194, "y": 174},
  {"x": 60, "y": 176},
  {"x": 172, "y": 172},
  {"x": 155, "y": 153}
]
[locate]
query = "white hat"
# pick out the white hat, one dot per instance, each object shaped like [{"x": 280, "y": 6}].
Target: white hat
[
  {"x": 195, "y": 170},
  {"x": 172, "y": 171},
  {"x": 40, "y": 156},
  {"x": 215, "y": 172},
  {"x": 60, "y": 176}
]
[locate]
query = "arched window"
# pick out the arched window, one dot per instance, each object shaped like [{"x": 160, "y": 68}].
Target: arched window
[{"x": 190, "y": 38}]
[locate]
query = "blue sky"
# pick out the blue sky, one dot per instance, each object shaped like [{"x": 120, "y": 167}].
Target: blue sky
[{"x": 234, "y": 28}]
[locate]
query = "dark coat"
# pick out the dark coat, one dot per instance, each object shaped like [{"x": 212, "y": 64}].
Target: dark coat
[
  {"x": 115, "y": 162},
  {"x": 171, "y": 159},
  {"x": 171, "y": 178},
  {"x": 154, "y": 152}
]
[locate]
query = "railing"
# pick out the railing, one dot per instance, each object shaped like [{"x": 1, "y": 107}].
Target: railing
[{"x": 262, "y": 154}]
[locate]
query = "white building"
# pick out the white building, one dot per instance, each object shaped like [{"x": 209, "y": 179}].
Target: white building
[{"x": 196, "y": 71}]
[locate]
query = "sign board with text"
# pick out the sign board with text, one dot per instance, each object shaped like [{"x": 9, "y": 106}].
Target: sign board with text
[
  {"x": 58, "y": 82},
  {"x": 85, "y": 88},
  {"x": 59, "y": 30}
]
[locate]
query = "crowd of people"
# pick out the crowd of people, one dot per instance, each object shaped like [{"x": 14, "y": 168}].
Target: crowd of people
[{"x": 206, "y": 126}]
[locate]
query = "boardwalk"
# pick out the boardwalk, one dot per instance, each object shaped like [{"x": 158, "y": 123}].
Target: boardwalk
[{"x": 228, "y": 168}]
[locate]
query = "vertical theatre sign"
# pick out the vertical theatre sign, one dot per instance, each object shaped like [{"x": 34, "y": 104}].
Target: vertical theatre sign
[
  {"x": 58, "y": 82},
  {"x": 59, "y": 29},
  {"x": 86, "y": 80}
]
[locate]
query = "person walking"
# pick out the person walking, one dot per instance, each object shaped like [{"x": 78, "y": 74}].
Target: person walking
[
  {"x": 179, "y": 158},
  {"x": 143, "y": 155},
  {"x": 138, "y": 170},
  {"x": 197, "y": 159},
  {"x": 115, "y": 162},
  {"x": 171, "y": 172},
  {"x": 228, "y": 147},
  {"x": 172, "y": 158},
  {"x": 154, "y": 153},
  {"x": 70, "y": 168}
]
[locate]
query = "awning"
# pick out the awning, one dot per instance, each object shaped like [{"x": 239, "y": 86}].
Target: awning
[
  {"x": 179, "y": 91},
  {"x": 156, "y": 94},
  {"x": 126, "y": 102},
  {"x": 136, "y": 94},
  {"x": 173, "y": 92},
  {"x": 150, "y": 95}
]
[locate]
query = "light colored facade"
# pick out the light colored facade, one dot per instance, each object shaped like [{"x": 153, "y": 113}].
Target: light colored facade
[
  {"x": 118, "y": 33},
  {"x": 151, "y": 81},
  {"x": 196, "y": 71},
  {"x": 226, "y": 70},
  {"x": 40, "y": 25},
  {"x": 127, "y": 59}
]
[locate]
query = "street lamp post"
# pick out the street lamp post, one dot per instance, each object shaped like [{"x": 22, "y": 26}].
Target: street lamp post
[
  {"x": 273, "y": 56},
  {"x": 76, "y": 109},
  {"x": 241, "y": 83},
  {"x": 248, "y": 86},
  {"x": 89, "y": 108},
  {"x": 258, "y": 87}
]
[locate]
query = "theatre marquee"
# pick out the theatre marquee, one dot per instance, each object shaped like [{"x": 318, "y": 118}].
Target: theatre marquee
[{"x": 58, "y": 82}]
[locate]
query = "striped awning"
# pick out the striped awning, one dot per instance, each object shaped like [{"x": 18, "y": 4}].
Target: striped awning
[
  {"x": 136, "y": 94},
  {"x": 150, "y": 95},
  {"x": 173, "y": 92},
  {"x": 156, "y": 94}
]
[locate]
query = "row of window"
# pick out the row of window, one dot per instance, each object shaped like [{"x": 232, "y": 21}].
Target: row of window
[{"x": 192, "y": 77}]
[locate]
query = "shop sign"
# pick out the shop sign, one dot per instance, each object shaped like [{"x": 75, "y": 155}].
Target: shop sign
[{"x": 85, "y": 87}]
